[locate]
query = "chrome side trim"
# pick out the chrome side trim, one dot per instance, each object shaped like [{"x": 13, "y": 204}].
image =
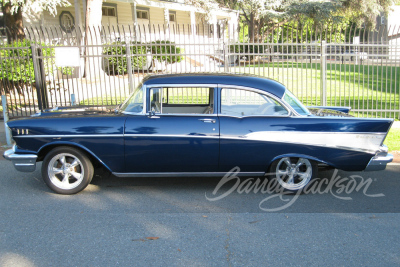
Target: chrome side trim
[
  {"x": 173, "y": 135},
  {"x": 69, "y": 135},
  {"x": 355, "y": 141},
  {"x": 183, "y": 174},
  {"x": 21, "y": 162},
  {"x": 184, "y": 115},
  {"x": 364, "y": 142}
]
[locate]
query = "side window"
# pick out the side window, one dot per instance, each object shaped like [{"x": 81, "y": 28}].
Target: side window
[
  {"x": 238, "y": 102},
  {"x": 182, "y": 100}
]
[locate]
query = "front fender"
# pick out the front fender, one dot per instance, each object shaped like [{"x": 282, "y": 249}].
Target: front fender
[{"x": 47, "y": 147}]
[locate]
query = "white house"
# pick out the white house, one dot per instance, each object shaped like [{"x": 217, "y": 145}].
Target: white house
[{"x": 174, "y": 15}]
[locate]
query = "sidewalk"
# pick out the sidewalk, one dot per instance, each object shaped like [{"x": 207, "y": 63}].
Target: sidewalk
[{"x": 3, "y": 140}]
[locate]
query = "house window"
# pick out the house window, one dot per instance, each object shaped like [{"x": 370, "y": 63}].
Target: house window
[
  {"x": 67, "y": 21},
  {"x": 142, "y": 14},
  {"x": 109, "y": 11},
  {"x": 172, "y": 17}
]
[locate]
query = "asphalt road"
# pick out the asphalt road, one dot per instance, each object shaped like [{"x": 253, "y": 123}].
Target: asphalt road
[{"x": 170, "y": 222}]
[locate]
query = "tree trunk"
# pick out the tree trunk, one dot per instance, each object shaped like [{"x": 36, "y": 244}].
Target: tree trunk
[
  {"x": 251, "y": 27},
  {"x": 14, "y": 23},
  {"x": 93, "y": 39}
]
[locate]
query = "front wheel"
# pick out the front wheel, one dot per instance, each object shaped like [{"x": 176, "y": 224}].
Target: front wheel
[
  {"x": 67, "y": 170},
  {"x": 293, "y": 174}
]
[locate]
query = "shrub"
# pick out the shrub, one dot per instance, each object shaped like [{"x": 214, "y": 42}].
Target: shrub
[
  {"x": 116, "y": 60},
  {"x": 246, "y": 50},
  {"x": 17, "y": 65},
  {"x": 166, "y": 51}
]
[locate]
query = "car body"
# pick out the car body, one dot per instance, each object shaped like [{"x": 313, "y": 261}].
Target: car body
[{"x": 198, "y": 125}]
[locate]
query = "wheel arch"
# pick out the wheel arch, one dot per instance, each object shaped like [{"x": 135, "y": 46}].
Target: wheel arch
[
  {"x": 295, "y": 155},
  {"x": 42, "y": 152}
]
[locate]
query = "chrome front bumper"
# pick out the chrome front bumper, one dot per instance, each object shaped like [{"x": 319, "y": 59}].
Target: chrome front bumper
[
  {"x": 380, "y": 160},
  {"x": 22, "y": 162}
]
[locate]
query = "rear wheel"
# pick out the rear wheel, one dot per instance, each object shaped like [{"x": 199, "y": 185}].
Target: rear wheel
[
  {"x": 67, "y": 170},
  {"x": 293, "y": 174}
]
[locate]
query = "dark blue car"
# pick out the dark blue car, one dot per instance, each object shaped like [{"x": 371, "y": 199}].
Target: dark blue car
[{"x": 198, "y": 125}]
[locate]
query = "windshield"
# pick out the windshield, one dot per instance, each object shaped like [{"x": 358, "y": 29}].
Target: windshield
[
  {"x": 134, "y": 104},
  {"x": 295, "y": 103}
]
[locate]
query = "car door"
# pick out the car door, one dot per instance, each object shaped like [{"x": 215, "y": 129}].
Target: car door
[
  {"x": 248, "y": 119},
  {"x": 179, "y": 133}
]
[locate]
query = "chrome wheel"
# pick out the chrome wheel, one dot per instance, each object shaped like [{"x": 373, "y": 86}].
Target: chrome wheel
[
  {"x": 293, "y": 173},
  {"x": 65, "y": 171}
]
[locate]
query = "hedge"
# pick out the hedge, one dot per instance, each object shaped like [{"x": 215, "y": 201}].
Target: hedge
[
  {"x": 246, "y": 50},
  {"x": 17, "y": 65},
  {"x": 166, "y": 50},
  {"x": 115, "y": 61}
]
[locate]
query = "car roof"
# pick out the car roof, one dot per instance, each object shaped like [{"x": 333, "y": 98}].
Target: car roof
[{"x": 257, "y": 82}]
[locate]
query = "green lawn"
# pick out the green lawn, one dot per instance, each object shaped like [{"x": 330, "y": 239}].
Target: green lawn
[
  {"x": 393, "y": 139},
  {"x": 359, "y": 86},
  {"x": 106, "y": 100}
]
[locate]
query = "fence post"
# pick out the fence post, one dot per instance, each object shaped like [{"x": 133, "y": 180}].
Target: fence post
[
  {"x": 323, "y": 73},
  {"x": 5, "y": 117},
  {"x": 129, "y": 66},
  {"x": 38, "y": 70},
  {"x": 226, "y": 53},
  {"x": 73, "y": 100}
]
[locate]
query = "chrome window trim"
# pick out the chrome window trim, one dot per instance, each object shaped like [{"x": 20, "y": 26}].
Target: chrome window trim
[
  {"x": 146, "y": 89},
  {"x": 294, "y": 111},
  {"x": 291, "y": 108},
  {"x": 144, "y": 103},
  {"x": 259, "y": 91},
  {"x": 182, "y": 85},
  {"x": 149, "y": 87}
]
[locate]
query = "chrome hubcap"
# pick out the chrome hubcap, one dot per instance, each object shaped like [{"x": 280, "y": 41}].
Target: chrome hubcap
[
  {"x": 292, "y": 174},
  {"x": 65, "y": 171}
]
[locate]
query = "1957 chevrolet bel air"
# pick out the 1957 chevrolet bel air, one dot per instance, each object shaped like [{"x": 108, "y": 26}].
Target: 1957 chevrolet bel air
[{"x": 198, "y": 125}]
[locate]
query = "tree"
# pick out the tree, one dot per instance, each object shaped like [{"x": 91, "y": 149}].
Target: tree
[
  {"x": 260, "y": 13},
  {"x": 365, "y": 12},
  {"x": 13, "y": 10}
]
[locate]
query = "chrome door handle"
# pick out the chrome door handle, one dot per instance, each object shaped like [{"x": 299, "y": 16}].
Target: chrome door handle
[{"x": 207, "y": 120}]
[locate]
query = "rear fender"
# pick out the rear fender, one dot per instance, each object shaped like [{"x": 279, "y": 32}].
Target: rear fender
[
  {"x": 341, "y": 109},
  {"x": 300, "y": 156}
]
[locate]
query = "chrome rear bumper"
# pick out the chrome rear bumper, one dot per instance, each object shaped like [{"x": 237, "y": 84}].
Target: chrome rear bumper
[
  {"x": 21, "y": 162},
  {"x": 380, "y": 160}
]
